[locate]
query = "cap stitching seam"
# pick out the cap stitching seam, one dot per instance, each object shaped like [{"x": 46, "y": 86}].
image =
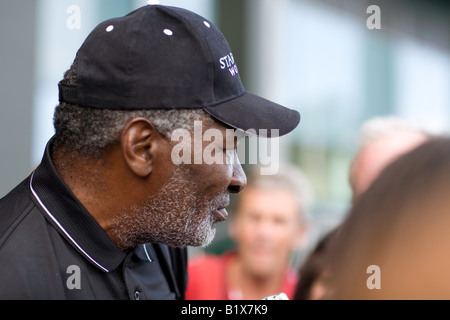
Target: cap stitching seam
[{"x": 202, "y": 42}]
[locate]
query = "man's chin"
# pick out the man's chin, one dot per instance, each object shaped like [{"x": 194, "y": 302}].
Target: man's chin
[
  {"x": 197, "y": 240},
  {"x": 206, "y": 240}
]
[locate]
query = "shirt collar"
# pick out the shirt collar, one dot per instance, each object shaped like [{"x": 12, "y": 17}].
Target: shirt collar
[{"x": 71, "y": 218}]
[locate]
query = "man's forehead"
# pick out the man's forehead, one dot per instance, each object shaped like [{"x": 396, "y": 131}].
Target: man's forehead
[{"x": 228, "y": 133}]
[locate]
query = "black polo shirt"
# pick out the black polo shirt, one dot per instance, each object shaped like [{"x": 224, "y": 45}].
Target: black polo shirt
[{"x": 52, "y": 248}]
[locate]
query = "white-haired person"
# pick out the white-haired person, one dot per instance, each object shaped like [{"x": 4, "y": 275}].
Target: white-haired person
[{"x": 381, "y": 141}]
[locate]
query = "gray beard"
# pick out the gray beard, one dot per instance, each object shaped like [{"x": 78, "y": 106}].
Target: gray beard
[{"x": 177, "y": 216}]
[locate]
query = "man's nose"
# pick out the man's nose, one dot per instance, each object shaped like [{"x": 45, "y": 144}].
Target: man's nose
[{"x": 238, "y": 179}]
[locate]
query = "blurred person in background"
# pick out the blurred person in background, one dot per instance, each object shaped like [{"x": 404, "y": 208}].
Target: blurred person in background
[
  {"x": 396, "y": 235},
  {"x": 314, "y": 281},
  {"x": 269, "y": 224},
  {"x": 381, "y": 140}
]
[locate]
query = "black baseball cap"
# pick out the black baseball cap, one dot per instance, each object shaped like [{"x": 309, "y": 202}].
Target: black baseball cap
[{"x": 161, "y": 57}]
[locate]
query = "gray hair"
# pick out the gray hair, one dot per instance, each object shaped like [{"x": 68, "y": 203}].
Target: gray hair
[
  {"x": 379, "y": 127},
  {"x": 90, "y": 131},
  {"x": 289, "y": 178}
]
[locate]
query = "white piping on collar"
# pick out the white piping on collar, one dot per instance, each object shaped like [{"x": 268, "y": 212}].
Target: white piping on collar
[
  {"x": 62, "y": 228},
  {"x": 147, "y": 254}
]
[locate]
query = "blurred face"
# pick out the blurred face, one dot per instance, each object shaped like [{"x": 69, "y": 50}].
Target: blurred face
[
  {"x": 266, "y": 229},
  {"x": 380, "y": 153}
]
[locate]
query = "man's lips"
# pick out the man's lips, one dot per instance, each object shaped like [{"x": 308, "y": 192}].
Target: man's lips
[{"x": 222, "y": 213}]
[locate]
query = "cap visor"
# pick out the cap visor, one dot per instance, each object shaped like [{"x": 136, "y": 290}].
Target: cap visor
[{"x": 256, "y": 115}]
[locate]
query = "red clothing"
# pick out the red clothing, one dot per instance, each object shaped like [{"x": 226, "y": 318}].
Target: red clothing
[{"x": 207, "y": 279}]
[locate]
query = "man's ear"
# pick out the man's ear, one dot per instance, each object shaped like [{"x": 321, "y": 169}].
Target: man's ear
[{"x": 138, "y": 144}]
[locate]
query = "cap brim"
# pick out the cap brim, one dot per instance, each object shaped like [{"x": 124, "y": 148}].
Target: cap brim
[{"x": 256, "y": 115}]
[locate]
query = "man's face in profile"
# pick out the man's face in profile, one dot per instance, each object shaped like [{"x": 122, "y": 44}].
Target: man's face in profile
[{"x": 190, "y": 202}]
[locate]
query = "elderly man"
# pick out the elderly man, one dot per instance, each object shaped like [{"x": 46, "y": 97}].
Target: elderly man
[{"x": 108, "y": 214}]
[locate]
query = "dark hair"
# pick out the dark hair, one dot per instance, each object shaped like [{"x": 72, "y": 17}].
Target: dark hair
[
  {"x": 90, "y": 131},
  {"x": 314, "y": 267},
  {"x": 400, "y": 218}
]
